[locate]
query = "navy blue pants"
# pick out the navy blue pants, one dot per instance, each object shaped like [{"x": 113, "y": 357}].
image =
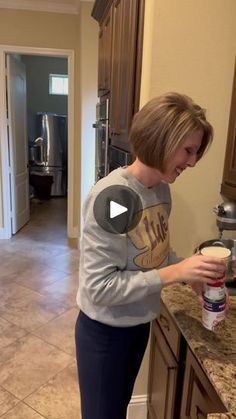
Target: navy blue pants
[{"x": 108, "y": 360}]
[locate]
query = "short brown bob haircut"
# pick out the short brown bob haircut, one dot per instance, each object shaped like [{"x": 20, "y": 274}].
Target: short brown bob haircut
[{"x": 163, "y": 124}]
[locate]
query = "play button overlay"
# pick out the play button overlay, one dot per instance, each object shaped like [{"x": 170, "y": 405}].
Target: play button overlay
[{"x": 117, "y": 209}]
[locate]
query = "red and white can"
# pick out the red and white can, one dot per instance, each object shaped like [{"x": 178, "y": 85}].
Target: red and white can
[
  {"x": 213, "y": 312},
  {"x": 214, "y": 291},
  {"x": 214, "y": 297}
]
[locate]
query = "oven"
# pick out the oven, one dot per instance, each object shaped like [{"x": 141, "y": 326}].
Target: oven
[
  {"x": 101, "y": 139},
  {"x": 118, "y": 157},
  {"x": 107, "y": 157}
]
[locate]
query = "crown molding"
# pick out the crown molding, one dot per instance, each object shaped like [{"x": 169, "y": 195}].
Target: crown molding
[{"x": 57, "y": 6}]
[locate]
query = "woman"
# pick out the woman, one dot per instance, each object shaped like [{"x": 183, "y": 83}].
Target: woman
[{"x": 121, "y": 275}]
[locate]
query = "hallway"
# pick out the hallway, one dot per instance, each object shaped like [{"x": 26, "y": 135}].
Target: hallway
[{"x": 38, "y": 284}]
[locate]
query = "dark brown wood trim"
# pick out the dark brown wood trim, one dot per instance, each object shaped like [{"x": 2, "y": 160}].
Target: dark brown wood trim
[
  {"x": 139, "y": 55},
  {"x": 228, "y": 187},
  {"x": 228, "y": 191},
  {"x": 100, "y": 9}
]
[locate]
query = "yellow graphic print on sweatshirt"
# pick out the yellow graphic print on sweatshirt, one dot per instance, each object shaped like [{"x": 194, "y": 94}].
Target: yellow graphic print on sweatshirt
[{"x": 152, "y": 236}]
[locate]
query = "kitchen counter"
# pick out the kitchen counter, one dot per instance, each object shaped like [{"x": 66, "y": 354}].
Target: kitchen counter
[{"x": 215, "y": 351}]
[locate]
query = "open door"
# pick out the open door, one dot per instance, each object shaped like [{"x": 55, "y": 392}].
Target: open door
[{"x": 17, "y": 140}]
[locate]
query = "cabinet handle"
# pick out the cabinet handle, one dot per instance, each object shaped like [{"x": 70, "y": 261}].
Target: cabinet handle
[
  {"x": 199, "y": 413},
  {"x": 115, "y": 133},
  {"x": 164, "y": 322}
]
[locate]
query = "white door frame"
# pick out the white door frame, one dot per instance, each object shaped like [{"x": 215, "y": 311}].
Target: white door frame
[{"x": 5, "y": 193}]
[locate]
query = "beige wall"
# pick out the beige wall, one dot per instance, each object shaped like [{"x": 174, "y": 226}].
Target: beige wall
[
  {"x": 38, "y": 29},
  {"x": 47, "y": 30},
  {"x": 62, "y": 31},
  {"x": 190, "y": 47},
  {"x": 88, "y": 90}
]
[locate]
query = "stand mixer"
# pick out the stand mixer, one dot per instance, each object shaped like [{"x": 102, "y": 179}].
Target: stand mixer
[
  {"x": 226, "y": 217},
  {"x": 226, "y": 220}
]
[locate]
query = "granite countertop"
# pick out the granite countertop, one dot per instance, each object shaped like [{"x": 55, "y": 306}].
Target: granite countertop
[{"x": 215, "y": 351}]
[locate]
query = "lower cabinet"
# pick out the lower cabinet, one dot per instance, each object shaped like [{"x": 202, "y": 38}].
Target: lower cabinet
[
  {"x": 199, "y": 397},
  {"x": 163, "y": 384},
  {"x": 166, "y": 368},
  {"x": 178, "y": 387}
]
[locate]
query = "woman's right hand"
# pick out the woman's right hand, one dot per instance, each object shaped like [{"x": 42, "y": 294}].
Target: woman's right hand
[{"x": 196, "y": 268}]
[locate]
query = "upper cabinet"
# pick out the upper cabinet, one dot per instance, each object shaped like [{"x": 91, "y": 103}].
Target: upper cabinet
[
  {"x": 104, "y": 55},
  {"x": 119, "y": 65},
  {"x": 124, "y": 53},
  {"x": 228, "y": 186}
]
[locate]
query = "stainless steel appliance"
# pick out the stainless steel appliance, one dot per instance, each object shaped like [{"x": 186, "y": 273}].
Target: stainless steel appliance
[
  {"x": 48, "y": 151},
  {"x": 226, "y": 216},
  {"x": 226, "y": 221},
  {"x": 118, "y": 157},
  {"x": 101, "y": 139},
  {"x": 107, "y": 156}
]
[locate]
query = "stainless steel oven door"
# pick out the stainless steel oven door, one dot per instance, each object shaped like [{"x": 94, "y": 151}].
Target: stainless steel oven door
[
  {"x": 101, "y": 150},
  {"x": 101, "y": 140},
  {"x": 118, "y": 158}
]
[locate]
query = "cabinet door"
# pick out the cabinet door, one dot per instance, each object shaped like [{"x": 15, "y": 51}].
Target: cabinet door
[
  {"x": 228, "y": 187},
  {"x": 104, "y": 55},
  {"x": 171, "y": 332},
  {"x": 162, "y": 377},
  {"x": 124, "y": 52},
  {"x": 199, "y": 397}
]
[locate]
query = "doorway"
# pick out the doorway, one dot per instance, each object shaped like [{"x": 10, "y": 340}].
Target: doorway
[{"x": 6, "y": 210}]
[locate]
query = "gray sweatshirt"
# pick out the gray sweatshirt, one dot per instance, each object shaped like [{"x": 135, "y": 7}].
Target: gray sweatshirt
[{"x": 119, "y": 283}]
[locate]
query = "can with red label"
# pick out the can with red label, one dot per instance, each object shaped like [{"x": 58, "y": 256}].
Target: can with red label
[
  {"x": 213, "y": 312},
  {"x": 214, "y": 298},
  {"x": 214, "y": 291}
]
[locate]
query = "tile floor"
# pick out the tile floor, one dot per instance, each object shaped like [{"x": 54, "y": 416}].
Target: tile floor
[{"x": 38, "y": 284}]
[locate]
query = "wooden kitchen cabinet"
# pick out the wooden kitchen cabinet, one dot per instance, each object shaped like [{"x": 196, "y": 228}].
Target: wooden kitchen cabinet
[
  {"x": 124, "y": 51},
  {"x": 162, "y": 384},
  {"x": 166, "y": 369},
  {"x": 228, "y": 186},
  {"x": 199, "y": 397},
  {"x": 178, "y": 387},
  {"x": 120, "y": 57},
  {"x": 104, "y": 54}
]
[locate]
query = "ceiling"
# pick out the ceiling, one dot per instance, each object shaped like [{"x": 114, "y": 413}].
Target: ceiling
[{"x": 58, "y": 6}]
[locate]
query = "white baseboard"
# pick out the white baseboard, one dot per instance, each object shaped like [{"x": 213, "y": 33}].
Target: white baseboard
[
  {"x": 137, "y": 408},
  {"x": 72, "y": 232},
  {"x": 3, "y": 234}
]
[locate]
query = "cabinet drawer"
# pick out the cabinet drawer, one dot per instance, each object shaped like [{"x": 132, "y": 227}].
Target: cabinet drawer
[{"x": 170, "y": 330}]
